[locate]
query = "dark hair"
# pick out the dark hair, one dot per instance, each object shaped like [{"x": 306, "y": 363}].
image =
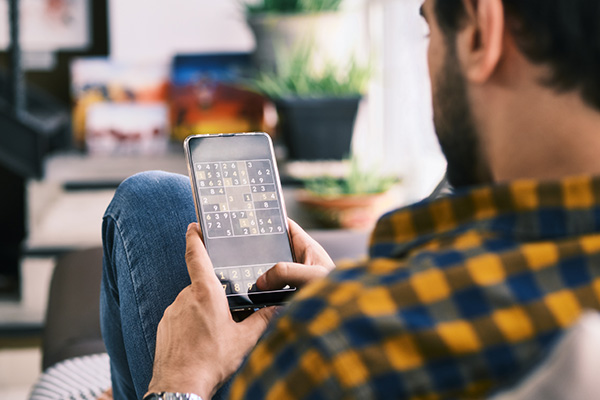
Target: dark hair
[{"x": 564, "y": 34}]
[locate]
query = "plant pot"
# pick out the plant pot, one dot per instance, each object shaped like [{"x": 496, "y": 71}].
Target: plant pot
[
  {"x": 277, "y": 33},
  {"x": 317, "y": 129},
  {"x": 359, "y": 212}
]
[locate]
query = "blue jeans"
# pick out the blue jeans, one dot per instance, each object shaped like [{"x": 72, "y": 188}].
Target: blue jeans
[{"x": 143, "y": 236}]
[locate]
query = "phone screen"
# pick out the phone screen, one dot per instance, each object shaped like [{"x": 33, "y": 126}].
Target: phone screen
[{"x": 241, "y": 212}]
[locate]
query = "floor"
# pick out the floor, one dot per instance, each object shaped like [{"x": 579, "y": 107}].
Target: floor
[
  {"x": 59, "y": 217},
  {"x": 73, "y": 220}
]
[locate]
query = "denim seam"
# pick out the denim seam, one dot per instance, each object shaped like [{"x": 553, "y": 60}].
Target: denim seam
[{"x": 144, "y": 333}]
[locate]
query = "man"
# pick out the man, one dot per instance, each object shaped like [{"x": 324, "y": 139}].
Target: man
[{"x": 460, "y": 295}]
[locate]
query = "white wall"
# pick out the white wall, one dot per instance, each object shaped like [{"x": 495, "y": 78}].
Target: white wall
[
  {"x": 400, "y": 100},
  {"x": 155, "y": 30}
]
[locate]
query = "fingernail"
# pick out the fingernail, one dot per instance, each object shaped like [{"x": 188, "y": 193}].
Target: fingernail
[{"x": 263, "y": 281}]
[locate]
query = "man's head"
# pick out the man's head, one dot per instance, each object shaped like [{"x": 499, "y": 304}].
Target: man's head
[{"x": 470, "y": 48}]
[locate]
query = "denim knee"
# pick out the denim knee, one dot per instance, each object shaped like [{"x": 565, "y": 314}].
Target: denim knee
[{"x": 149, "y": 193}]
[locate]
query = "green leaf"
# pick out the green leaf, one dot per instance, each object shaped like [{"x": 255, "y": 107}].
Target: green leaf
[
  {"x": 296, "y": 77},
  {"x": 291, "y": 6},
  {"x": 357, "y": 181}
]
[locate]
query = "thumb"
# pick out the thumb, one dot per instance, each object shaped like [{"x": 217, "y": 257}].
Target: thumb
[
  {"x": 293, "y": 274},
  {"x": 198, "y": 262},
  {"x": 255, "y": 325}
]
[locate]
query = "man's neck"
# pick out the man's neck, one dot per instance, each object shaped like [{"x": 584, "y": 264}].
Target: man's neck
[{"x": 539, "y": 134}]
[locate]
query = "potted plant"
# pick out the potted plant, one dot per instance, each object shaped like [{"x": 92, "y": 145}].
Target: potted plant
[
  {"x": 282, "y": 24},
  {"x": 352, "y": 201},
  {"x": 317, "y": 108}
]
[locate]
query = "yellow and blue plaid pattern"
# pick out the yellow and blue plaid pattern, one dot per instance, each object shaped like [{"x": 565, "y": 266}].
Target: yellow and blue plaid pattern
[{"x": 461, "y": 295}]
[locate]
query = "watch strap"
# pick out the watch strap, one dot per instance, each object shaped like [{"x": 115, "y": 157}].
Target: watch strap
[{"x": 171, "y": 396}]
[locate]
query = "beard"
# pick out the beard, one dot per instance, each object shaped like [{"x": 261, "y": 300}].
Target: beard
[{"x": 455, "y": 127}]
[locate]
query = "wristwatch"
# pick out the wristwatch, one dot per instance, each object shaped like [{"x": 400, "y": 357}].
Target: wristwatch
[{"x": 171, "y": 396}]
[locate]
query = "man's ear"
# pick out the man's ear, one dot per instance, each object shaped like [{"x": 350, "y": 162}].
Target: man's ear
[{"x": 480, "y": 42}]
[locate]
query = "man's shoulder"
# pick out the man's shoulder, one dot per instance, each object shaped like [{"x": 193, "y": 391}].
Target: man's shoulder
[
  {"x": 439, "y": 315},
  {"x": 454, "y": 287}
]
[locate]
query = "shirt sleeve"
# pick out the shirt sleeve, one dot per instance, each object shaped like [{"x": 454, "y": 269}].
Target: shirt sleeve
[
  {"x": 383, "y": 331},
  {"x": 291, "y": 361}
]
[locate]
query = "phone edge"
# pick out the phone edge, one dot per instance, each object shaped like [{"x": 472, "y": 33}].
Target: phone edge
[{"x": 188, "y": 157}]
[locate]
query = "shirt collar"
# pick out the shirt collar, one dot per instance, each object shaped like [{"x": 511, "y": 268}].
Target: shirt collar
[{"x": 521, "y": 210}]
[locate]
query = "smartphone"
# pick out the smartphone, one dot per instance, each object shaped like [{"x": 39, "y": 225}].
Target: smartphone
[{"x": 240, "y": 208}]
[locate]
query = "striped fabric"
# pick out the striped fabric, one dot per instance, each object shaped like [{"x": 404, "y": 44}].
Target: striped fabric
[
  {"x": 81, "y": 378},
  {"x": 461, "y": 295}
]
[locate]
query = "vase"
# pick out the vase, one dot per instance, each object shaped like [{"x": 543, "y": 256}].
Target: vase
[
  {"x": 276, "y": 34},
  {"x": 317, "y": 129},
  {"x": 348, "y": 211}
]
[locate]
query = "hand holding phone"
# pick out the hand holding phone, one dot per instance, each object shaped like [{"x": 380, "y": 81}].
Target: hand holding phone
[
  {"x": 313, "y": 263},
  {"x": 241, "y": 212},
  {"x": 200, "y": 362}
]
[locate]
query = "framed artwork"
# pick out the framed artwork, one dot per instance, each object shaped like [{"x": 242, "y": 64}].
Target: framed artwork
[
  {"x": 49, "y": 25},
  {"x": 119, "y": 108},
  {"x": 209, "y": 94}
]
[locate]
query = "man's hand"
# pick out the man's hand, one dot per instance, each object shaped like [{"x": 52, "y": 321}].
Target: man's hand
[
  {"x": 198, "y": 344},
  {"x": 313, "y": 263}
]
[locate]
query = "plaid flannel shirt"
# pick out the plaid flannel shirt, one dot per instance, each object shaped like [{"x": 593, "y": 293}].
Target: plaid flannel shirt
[{"x": 460, "y": 296}]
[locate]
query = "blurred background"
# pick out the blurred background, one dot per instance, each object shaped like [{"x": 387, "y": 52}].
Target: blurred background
[{"x": 94, "y": 91}]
